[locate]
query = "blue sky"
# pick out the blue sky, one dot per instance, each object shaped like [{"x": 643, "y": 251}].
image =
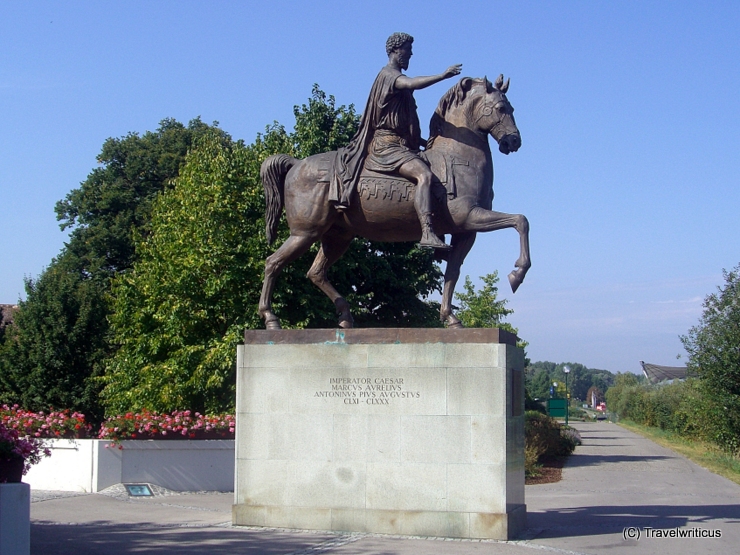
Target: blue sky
[{"x": 628, "y": 170}]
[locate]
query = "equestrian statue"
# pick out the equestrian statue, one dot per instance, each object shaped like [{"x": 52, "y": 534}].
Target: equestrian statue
[{"x": 383, "y": 187}]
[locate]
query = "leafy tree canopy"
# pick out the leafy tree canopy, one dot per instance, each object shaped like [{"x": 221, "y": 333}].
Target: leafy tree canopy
[
  {"x": 60, "y": 331},
  {"x": 116, "y": 198},
  {"x": 594, "y": 396},
  {"x": 483, "y": 309},
  {"x": 54, "y": 348},
  {"x": 540, "y": 376},
  {"x": 177, "y": 313},
  {"x": 713, "y": 347}
]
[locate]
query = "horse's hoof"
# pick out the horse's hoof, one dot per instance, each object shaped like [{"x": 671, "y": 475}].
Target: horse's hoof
[
  {"x": 453, "y": 322},
  {"x": 515, "y": 280},
  {"x": 434, "y": 244},
  {"x": 346, "y": 324},
  {"x": 273, "y": 323}
]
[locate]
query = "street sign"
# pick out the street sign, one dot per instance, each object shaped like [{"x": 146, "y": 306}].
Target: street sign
[{"x": 556, "y": 407}]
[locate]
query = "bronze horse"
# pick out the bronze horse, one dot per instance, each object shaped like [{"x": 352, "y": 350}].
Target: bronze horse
[{"x": 383, "y": 210}]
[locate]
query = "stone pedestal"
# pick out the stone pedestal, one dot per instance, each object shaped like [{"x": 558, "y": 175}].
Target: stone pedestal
[
  {"x": 393, "y": 431},
  {"x": 15, "y": 519}
]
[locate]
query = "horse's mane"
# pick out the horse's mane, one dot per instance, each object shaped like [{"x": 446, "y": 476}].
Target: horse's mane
[{"x": 451, "y": 98}]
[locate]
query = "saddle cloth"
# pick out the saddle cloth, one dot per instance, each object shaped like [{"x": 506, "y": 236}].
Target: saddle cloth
[{"x": 394, "y": 187}]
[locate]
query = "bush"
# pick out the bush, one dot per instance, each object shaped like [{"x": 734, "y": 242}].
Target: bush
[
  {"x": 143, "y": 425},
  {"x": 687, "y": 408},
  {"x": 571, "y": 435},
  {"x": 575, "y": 412},
  {"x": 531, "y": 404},
  {"x": 545, "y": 439},
  {"x": 532, "y": 453},
  {"x": 177, "y": 425},
  {"x": 54, "y": 424}
]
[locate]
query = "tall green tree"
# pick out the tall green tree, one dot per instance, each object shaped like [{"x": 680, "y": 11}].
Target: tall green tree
[
  {"x": 713, "y": 347},
  {"x": 115, "y": 200},
  {"x": 539, "y": 385},
  {"x": 483, "y": 308},
  {"x": 54, "y": 348},
  {"x": 59, "y": 338},
  {"x": 180, "y": 311},
  {"x": 579, "y": 378},
  {"x": 601, "y": 379}
]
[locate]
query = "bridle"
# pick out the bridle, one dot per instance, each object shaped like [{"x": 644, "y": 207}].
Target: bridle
[{"x": 488, "y": 108}]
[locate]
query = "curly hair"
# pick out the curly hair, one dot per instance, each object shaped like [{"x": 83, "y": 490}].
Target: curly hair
[{"x": 396, "y": 41}]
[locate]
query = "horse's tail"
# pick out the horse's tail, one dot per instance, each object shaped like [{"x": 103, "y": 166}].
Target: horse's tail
[{"x": 273, "y": 172}]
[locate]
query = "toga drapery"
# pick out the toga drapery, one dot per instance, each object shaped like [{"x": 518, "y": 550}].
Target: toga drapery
[{"x": 389, "y": 136}]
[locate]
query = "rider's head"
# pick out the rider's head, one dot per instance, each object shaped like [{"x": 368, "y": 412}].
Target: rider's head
[
  {"x": 400, "y": 45},
  {"x": 396, "y": 41}
]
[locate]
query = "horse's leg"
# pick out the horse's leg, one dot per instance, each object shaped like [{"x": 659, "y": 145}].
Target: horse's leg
[
  {"x": 334, "y": 244},
  {"x": 293, "y": 247},
  {"x": 481, "y": 219},
  {"x": 461, "y": 245}
]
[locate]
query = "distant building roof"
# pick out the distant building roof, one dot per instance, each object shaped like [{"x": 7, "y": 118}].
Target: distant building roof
[{"x": 656, "y": 374}]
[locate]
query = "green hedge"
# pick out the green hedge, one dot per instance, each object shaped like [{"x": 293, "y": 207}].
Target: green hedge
[
  {"x": 545, "y": 438},
  {"x": 686, "y": 408}
]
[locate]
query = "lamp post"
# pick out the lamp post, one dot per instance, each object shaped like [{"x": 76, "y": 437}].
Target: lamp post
[{"x": 566, "y": 370}]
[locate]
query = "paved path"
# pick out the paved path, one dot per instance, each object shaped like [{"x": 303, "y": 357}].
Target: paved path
[
  {"x": 618, "y": 479},
  {"x": 615, "y": 480}
]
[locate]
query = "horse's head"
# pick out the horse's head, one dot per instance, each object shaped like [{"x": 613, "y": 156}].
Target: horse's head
[{"x": 480, "y": 106}]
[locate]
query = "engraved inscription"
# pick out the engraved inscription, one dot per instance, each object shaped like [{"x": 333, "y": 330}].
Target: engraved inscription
[{"x": 371, "y": 391}]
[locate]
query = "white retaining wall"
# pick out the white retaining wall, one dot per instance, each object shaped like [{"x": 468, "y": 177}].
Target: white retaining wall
[{"x": 90, "y": 465}]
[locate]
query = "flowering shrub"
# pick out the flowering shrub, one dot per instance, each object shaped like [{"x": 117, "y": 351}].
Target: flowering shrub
[
  {"x": 55, "y": 424},
  {"x": 177, "y": 425},
  {"x": 545, "y": 438},
  {"x": 13, "y": 445},
  {"x": 143, "y": 425},
  {"x": 572, "y": 435}
]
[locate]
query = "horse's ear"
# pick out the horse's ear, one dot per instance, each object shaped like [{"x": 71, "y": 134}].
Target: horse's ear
[
  {"x": 489, "y": 85},
  {"x": 505, "y": 88}
]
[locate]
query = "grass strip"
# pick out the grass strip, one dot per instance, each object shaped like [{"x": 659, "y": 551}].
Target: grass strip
[{"x": 701, "y": 452}]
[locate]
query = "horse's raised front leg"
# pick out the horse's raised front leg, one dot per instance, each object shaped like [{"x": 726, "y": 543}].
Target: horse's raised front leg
[
  {"x": 293, "y": 247},
  {"x": 481, "y": 219},
  {"x": 461, "y": 245},
  {"x": 334, "y": 244}
]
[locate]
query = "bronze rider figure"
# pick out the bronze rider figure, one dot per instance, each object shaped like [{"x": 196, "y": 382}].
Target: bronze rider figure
[{"x": 389, "y": 137}]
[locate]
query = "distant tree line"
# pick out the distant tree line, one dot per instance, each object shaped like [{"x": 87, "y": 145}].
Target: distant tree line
[{"x": 540, "y": 376}]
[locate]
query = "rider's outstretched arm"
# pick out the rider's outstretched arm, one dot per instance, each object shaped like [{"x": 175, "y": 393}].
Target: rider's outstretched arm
[{"x": 416, "y": 83}]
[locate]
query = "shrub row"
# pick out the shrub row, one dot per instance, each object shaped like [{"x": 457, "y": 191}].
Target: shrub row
[
  {"x": 143, "y": 425},
  {"x": 686, "y": 408},
  {"x": 545, "y": 439}
]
